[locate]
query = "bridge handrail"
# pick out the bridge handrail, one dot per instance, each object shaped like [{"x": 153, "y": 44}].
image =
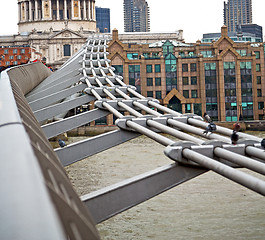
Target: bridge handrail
[
  {"x": 37, "y": 199},
  {"x": 26, "y": 208}
]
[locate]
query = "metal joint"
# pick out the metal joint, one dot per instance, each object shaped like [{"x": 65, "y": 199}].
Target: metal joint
[
  {"x": 121, "y": 123},
  {"x": 174, "y": 152}
]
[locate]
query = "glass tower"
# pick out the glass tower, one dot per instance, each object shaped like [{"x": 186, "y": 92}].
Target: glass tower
[
  {"x": 136, "y": 16},
  {"x": 236, "y": 13},
  {"x": 103, "y": 19}
]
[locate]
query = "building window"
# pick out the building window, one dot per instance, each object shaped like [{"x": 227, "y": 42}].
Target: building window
[
  {"x": 186, "y": 93},
  {"x": 135, "y": 77},
  {"x": 171, "y": 72},
  {"x": 193, "y": 67},
  {"x": 7, "y": 63},
  {"x": 157, "y": 68},
  {"x": 194, "y": 93},
  {"x": 6, "y": 51},
  {"x": 211, "y": 90},
  {"x": 182, "y": 54},
  {"x": 22, "y": 51},
  {"x": 257, "y": 55},
  {"x": 11, "y": 57},
  {"x": 19, "y": 57},
  {"x": 188, "y": 108},
  {"x": 149, "y": 81},
  {"x": 149, "y": 93},
  {"x": 246, "y": 91},
  {"x": 193, "y": 80},
  {"x": 259, "y": 92},
  {"x": 185, "y": 81},
  {"x": 168, "y": 48},
  {"x": 261, "y": 105},
  {"x": 230, "y": 91},
  {"x": 15, "y": 62},
  {"x": 207, "y": 54},
  {"x": 132, "y": 56},
  {"x": 158, "y": 95},
  {"x": 258, "y": 67},
  {"x": 211, "y": 93},
  {"x": 258, "y": 79},
  {"x": 149, "y": 68},
  {"x": 67, "y": 50},
  {"x": 118, "y": 70},
  {"x": 242, "y": 52},
  {"x": 15, "y": 51},
  {"x": 158, "y": 81},
  {"x": 198, "y": 108},
  {"x": 184, "y": 67},
  {"x": 101, "y": 121}
]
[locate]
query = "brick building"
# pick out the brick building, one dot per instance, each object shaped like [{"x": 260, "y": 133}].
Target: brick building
[
  {"x": 223, "y": 78},
  {"x": 15, "y": 55}
]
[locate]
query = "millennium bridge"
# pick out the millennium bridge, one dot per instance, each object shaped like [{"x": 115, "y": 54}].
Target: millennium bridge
[{"x": 37, "y": 198}]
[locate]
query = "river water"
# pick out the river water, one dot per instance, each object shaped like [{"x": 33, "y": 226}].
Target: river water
[{"x": 207, "y": 207}]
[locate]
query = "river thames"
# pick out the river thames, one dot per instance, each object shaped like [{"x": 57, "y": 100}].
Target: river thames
[{"x": 207, "y": 207}]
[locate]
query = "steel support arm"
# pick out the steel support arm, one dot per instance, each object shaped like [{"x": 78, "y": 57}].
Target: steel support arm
[
  {"x": 55, "y": 128},
  {"x": 52, "y": 80},
  {"x": 53, "y": 89},
  {"x": 55, "y": 97},
  {"x": 222, "y": 130},
  {"x": 235, "y": 175},
  {"x": 49, "y": 112},
  {"x": 256, "y": 152},
  {"x": 80, "y": 150},
  {"x": 117, "y": 198}
]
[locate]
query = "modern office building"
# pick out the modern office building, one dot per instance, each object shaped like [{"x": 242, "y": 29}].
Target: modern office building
[
  {"x": 253, "y": 29},
  {"x": 103, "y": 19},
  {"x": 248, "y": 33},
  {"x": 136, "y": 16},
  {"x": 237, "y": 12},
  {"x": 224, "y": 78}
]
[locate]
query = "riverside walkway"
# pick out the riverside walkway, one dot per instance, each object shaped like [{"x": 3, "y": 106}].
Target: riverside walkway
[{"x": 38, "y": 200}]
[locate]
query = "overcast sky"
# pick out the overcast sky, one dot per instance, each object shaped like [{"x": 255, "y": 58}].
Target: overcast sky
[{"x": 194, "y": 17}]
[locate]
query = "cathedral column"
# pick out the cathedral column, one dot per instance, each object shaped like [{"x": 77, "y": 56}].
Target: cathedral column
[
  {"x": 30, "y": 11},
  {"x": 22, "y": 10},
  {"x": 58, "y": 9},
  {"x": 84, "y": 10},
  {"x": 19, "y": 12},
  {"x": 79, "y": 10},
  {"x": 65, "y": 10},
  {"x": 93, "y": 11},
  {"x": 36, "y": 10},
  {"x": 72, "y": 10},
  {"x": 26, "y": 11},
  {"x": 89, "y": 10}
]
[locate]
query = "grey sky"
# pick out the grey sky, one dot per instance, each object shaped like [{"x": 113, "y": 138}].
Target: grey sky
[{"x": 194, "y": 17}]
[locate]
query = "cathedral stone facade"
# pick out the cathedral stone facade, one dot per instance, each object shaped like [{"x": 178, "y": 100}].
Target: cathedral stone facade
[
  {"x": 54, "y": 29},
  {"x": 46, "y": 15}
]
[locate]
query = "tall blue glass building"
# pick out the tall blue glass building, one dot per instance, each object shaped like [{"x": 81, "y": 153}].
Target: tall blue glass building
[{"x": 103, "y": 19}]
